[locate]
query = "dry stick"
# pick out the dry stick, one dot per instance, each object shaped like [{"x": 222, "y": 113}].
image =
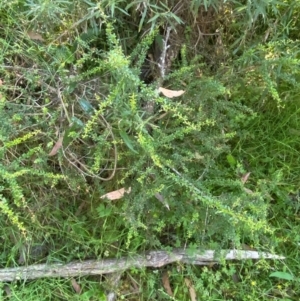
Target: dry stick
[{"x": 107, "y": 266}]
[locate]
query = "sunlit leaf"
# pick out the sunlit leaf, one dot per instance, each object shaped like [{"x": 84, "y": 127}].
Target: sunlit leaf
[{"x": 231, "y": 160}]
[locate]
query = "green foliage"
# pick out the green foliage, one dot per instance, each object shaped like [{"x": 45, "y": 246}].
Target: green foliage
[
  {"x": 269, "y": 73},
  {"x": 282, "y": 275},
  {"x": 14, "y": 169},
  {"x": 214, "y": 168},
  {"x": 49, "y": 11}
]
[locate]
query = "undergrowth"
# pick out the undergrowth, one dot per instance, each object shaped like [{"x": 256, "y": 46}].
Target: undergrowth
[{"x": 216, "y": 168}]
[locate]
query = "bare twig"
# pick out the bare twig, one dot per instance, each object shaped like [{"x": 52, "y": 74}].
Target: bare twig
[{"x": 107, "y": 266}]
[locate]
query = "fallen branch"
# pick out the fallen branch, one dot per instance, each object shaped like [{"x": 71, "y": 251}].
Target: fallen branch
[{"x": 107, "y": 266}]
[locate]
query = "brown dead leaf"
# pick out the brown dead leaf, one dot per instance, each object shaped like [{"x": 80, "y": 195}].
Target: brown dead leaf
[
  {"x": 191, "y": 288},
  {"x": 166, "y": 283},
  {"x": 76, "y": 286},
  {"x": 170, "y": 93},
  {"x": 115, "y": 195},
  {"x": 56, "y": 146},
  {"x": 245, "y": 177},
  {"x": 35, "y": 36}
]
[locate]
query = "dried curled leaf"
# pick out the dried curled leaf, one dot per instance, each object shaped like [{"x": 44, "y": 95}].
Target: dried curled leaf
[
  {"x": 166, "y": 283},
  {"x": 116, "y": 194},
  {"x": 35, "y": 36},
  {"x": 245, "y": 177},
  {"x": 191, "y": 288},
  {"x": 56, "y": 146},
  {"x": 170, "y": 93},
  {"x": 76, "y": 286}
]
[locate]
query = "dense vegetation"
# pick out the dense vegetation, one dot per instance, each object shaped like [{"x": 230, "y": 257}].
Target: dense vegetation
[{"x": 216, "y": 167}]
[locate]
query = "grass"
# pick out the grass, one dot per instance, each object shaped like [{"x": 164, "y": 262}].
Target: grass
[{"x": 271, "y": 157}]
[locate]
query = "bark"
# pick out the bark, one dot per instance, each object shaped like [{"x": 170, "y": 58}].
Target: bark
[{"x": 107, "y": 266}]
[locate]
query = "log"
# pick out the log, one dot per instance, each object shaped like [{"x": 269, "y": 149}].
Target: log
[{"x": 107, "y": 266}]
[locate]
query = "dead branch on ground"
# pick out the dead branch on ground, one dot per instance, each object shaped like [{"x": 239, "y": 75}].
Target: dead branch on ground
[{"x": 107, "y": 266}]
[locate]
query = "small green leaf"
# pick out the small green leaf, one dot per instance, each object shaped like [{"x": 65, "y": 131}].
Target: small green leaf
[
  {"x": 142, "y": 19},
  {"x": 77, "y": 121},
  {"x": 177, "y": 19},
  {"x": 153, "y": 19},
  {"x": 282, "y": 275},
  {"x": 104, "y": 211},
  {"x": 231, "y": 160},
  {"x": 127, "y": 141},
  {"x": 86, "y": 106}
]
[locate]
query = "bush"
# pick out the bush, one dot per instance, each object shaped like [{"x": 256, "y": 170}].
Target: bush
[{"x": 82, "y": 115}]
